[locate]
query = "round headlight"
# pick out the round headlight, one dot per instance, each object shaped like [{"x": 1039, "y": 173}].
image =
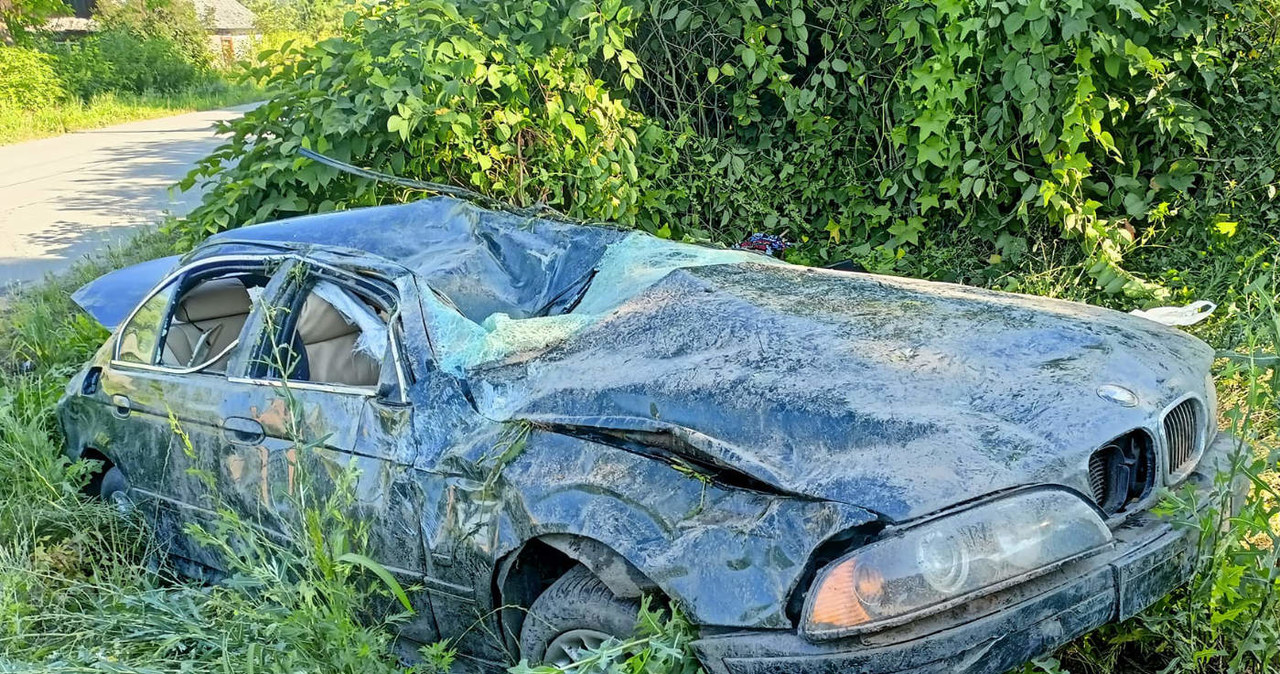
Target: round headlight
[{"x": 943, "y": 560}]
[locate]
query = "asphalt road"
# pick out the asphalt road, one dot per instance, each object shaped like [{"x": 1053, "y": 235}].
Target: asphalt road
[{"x": 63, "y": 197}]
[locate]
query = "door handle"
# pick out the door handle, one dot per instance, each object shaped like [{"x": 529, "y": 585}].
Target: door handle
[
  {"x": 243, "y": 431},
  {"x": 121, "y": 406}
]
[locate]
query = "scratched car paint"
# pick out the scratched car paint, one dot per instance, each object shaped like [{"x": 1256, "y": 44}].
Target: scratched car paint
[{"x": 807, "y": 462}]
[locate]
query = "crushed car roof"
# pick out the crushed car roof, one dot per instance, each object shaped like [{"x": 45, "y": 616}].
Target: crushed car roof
[{"x": 484, "y": 261}]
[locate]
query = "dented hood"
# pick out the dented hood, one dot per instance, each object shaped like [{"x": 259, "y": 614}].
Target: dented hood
[{"x": 901, "y": 397}]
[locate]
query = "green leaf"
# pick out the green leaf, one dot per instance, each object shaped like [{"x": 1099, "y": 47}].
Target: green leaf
[
  {"x": 381, "y": 572},
  {"x": 1112, "y": 64},
  {"x": 1134, "y": 9},
  {"x": 398, "y": 124},
  {"x": 797, "y": 17},
  {"x": 1013, "y": 22}
]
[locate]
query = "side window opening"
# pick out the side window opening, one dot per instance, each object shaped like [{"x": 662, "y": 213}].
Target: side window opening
[
  {"x": 339, "y": 337},
  {"x": 139, "y": 338},
  {"x": 200, "y": 329},
  {"x": 207, "y": 321}
]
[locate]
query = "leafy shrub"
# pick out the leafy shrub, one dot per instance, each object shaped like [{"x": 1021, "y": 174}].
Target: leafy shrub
[
  {"x": 857, "y": 129},
  {"x": 121, "y": 60},
  {"x": 27, "y": 79},
  {"x": 415, "y": 101},
  {"x": 144, "y": 46},
  {"x": 173, "y": 21}
]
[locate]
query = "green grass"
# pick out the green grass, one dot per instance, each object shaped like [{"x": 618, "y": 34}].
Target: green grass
[{"x": 17, "y": 125}]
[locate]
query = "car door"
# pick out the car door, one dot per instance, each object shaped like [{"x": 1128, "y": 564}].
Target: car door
[
  {"x": 319, "y": 400},
  {"x": 164, "y": 383}
]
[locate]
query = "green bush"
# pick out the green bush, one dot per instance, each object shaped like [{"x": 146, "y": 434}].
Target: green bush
[
  {"x": 27, "y": 79},
  {"x": 121, "y": 60},
  {"x": 145, "y": 46},
  {"x": 857, "y": 129},
  {"x": 172, "y": 21}
]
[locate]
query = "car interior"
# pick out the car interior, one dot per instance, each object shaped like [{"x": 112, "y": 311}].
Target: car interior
[{"x": 339, "y": 337}]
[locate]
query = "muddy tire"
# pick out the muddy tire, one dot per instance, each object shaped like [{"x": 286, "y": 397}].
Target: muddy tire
[
  {"x": 114, "y": 487},
  {"x": 576, "y": 611}
]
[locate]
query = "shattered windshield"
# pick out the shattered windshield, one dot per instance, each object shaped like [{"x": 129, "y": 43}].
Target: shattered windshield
[{"x": 626, "y": 268}]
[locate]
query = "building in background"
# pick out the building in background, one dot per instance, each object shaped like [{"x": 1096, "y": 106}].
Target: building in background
[{"x": 231, "y": 28}]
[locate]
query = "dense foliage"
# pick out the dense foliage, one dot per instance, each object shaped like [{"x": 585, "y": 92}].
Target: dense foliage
[
  {"x": 172, "y": 21},
  {"x": 857, "y": 129},
  {"x": 300, "y": 17},
  {"x": 143, "y": 46},
  {"x": 27, "y": 78},
  {"x": 121, "y": 60}
]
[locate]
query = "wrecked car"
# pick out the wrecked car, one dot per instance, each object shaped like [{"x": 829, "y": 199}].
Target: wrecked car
[{"x": 825, "y": 470}]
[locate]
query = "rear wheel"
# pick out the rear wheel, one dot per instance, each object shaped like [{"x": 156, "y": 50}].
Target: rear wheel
[{"x": 575, "y": 614}]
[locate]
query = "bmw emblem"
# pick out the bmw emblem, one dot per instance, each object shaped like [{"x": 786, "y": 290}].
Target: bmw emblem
[{"x": 1118, "y": 395}]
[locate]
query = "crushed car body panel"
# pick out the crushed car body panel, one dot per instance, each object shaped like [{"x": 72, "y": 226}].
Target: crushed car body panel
[
  {"x": 712, "y": 424},
  {"x": 898, "y": 396}
]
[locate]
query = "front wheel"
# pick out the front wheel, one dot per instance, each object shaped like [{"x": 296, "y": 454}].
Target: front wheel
[
  {"x": 114, "y": 488},
  {"x": 577, "y": 613}
]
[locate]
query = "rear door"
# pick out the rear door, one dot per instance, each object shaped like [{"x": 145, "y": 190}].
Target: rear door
[{"x": 164, "y": 385}]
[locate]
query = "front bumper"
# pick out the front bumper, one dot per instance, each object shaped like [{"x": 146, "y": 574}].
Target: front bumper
[{"x": 994, "y": 634}]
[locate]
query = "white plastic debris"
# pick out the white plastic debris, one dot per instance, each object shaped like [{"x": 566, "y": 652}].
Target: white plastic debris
[{"x": 1178, "y": 316}]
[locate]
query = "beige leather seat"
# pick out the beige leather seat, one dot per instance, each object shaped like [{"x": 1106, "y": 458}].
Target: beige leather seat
[
  {"x": 208, "y": 319},
  {"x": 330, "y": 343}
]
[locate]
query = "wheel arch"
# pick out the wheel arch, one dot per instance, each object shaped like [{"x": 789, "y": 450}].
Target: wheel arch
[
  {"x": 93, "y": 487},
  {"x": 537, "y": 563}
]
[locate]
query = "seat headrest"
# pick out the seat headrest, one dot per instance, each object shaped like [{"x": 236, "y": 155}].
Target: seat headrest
[
  {"x": 220, "y": 298},
  {"x": 320, "y": 322}
]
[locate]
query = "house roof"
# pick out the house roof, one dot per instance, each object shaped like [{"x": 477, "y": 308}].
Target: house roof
[
  {"x": 224, "y": 16},
  {"x": 71, "y": 24}
]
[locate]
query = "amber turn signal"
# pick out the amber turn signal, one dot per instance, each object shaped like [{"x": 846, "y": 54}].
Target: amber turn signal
[{"x": 836, "y": 603}]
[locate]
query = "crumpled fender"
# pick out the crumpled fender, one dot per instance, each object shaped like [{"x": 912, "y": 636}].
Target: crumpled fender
[{"x": 729, "y": 556}]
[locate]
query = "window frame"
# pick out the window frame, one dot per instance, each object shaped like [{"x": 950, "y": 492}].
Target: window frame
[
  {"x": 173, "y": 277},
  {"x": 294, "y": 293}
]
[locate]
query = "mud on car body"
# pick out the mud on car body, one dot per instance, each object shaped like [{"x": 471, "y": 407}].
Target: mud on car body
[{"x": 827, "y": 471}]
